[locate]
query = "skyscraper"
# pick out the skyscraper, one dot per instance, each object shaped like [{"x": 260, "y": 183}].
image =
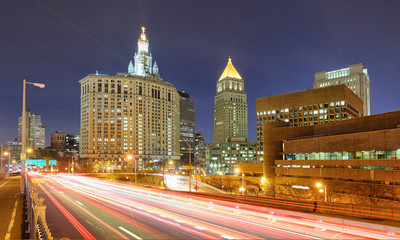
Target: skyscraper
[
  {"x": 187, "y": 126},
  {"x": 355, "y": 77},
  {"x": 35, "y": 131},
  {"x": 230, "y": 106},
  {"x": 131, "y": 113}
]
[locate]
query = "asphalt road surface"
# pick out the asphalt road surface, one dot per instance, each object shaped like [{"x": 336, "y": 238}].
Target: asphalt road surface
[{"x": 87, "y": 208}]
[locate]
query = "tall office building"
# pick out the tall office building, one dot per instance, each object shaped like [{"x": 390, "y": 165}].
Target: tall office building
[
  {"x": 131, "y": 113},
  {"x": 186, "y": 127},
  {"x": 355, "y": 77},
  {"x": 230, "y": 106},
  {"x": 35, "y": 131}
]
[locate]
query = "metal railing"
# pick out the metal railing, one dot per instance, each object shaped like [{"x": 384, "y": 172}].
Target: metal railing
[{"x": 36, "y": 213}]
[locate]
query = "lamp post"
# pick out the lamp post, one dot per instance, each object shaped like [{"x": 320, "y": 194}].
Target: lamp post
[
  {"x": 130, "y": 157},
  {"x": 237, "y": 170},
  {"x": 319, "y": 185},
  {"x": 9, "y": 155},
  {"x": 222, "y": 180},
  {"x": 190, "y": 163},
  {"x": 23, "y": 134}
]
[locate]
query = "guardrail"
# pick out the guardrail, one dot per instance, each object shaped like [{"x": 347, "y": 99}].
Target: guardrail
[
  {"x": 332, "y": 209},
  {"x": 36, "y": 211}
]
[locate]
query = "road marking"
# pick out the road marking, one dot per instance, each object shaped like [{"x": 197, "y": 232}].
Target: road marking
[
  {"x": 200, "y": 228},
  {"x": 4, "y": 184},
  {"x": 130, "y": 233},
  {"x": 227, "y": 237},
  {"x": 79, "y": 203},
  {"x": 179, "y": 221},
  {"x": 8, "y": 234},
  {"x": 163, "y": 216}
]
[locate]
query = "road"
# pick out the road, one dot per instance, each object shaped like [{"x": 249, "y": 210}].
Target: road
[
  {"x": 181, "y": 183},
  {"x": 87, "y": 208}
]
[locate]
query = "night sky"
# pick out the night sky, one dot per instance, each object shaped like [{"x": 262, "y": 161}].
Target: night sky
[{"x": 276, "y": 46}]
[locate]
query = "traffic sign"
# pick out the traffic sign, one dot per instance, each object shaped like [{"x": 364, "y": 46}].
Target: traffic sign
[
  {"x": 190, "y": 167},
  {"x": 52, "y": 162}
]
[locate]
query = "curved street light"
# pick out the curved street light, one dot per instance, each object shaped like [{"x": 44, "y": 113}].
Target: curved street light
[{"x": 23, "y": 134}]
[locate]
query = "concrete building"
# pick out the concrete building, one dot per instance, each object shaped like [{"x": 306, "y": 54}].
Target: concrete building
[
  {"x": 354, "y": 77},
  {"x": 57, "y": 141},
  {"x": 225, "y": 156},
  {"x": 12, "y": 147},
  {"x": 35, "y": 131},
  {"x": 230, "y": 106},
  {"x": 359, "y": 156},
  {"x": 308, "y": 107},
  {"x": 131, "y": 113},
  {"x": 187, "y": 125}
]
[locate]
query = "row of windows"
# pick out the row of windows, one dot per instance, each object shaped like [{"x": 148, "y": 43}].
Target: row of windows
[
  {"x": 389, "y": 154},
  {"x": 303, "y": 108}
]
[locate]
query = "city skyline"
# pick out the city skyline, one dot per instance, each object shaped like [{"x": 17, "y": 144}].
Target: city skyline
[{"x": 278, "y": 49}]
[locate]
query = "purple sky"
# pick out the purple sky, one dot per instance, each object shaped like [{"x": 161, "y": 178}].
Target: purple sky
[{"x": 276, "y": 46}]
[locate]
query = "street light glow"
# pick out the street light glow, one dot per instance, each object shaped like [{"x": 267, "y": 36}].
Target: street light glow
[
  {"x": 319, "y": 185},
  {"x": 129, "y": 157},
  {"x": 6, "y": 153},
  {"x": 41, "y": 85}
]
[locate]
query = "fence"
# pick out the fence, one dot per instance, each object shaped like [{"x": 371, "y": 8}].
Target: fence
[{"x": 36, "y": 213}]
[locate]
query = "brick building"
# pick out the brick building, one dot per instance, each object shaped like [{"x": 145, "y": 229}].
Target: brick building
[
  {"x": 348, "y": 156},
  {"x": 308, "y": 107}
]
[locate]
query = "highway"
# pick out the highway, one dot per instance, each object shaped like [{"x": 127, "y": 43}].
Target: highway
[{"x": 89, "y": 208}]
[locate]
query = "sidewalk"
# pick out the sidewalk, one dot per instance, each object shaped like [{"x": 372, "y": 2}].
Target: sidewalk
[{"x": 11, "y": 209}]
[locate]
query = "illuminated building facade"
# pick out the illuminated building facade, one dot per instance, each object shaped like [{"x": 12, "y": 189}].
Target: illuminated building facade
[
  {"x": 225, "y": 156},
  {"x": 35, "y": 131},
  {"x": 349, "y": 156},
  {"x": 354, "y": 77},
  {"x": 230, "y": 106},
  {"x": 308, "y": 107},
  {"x": 131, "y": 113}
]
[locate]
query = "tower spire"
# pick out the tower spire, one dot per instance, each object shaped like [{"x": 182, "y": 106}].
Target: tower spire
[
  {"x": 143, "y": 35},
  {"x": 230, "y": 71}
]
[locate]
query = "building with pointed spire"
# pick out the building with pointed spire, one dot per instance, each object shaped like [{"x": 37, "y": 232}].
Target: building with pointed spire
[
  {"x": 230, "y": 146},
  {"x": 230, "y": 106},
  {"x": 143, "y": 59},
  {"x": 134, "y": 113}
]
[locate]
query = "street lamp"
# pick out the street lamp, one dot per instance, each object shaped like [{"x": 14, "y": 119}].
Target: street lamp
[
  {"x": 23, "y": 133},
  {"x": 190, "y": 164},
  {"x": 237, "y": 170},
  {"x": 9, "y": 155},
  {"x": 130, "y": 157},
  {"x": 222, "y": 182},
  {"x": 319, "y": 185}
]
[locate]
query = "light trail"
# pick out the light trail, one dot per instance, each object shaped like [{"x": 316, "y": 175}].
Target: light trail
[{"x": 122, "y": 211}]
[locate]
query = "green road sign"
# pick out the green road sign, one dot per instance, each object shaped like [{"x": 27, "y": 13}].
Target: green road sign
[
  {"x": 37, "y": 162},
  {"x": 52, "y": 162}
]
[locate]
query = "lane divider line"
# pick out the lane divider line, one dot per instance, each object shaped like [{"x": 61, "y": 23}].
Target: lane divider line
[
  {"x": 4, "y": 183},
  {"x": 130, "y": 233},
  {"x": 11, "y": 224}
]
